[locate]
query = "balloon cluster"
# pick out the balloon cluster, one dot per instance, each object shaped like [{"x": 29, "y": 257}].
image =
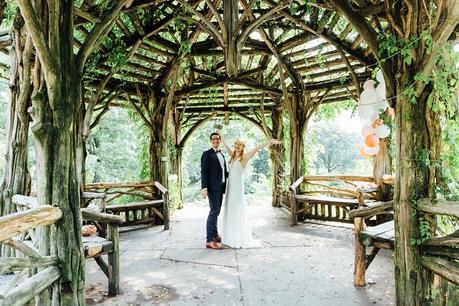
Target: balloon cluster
[{"x": 373, "y": 102}]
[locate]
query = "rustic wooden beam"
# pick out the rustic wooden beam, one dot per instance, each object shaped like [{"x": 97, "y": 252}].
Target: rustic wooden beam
[
  {"x": 8, "y": 264},
  {"x": 14, "y": 224},
  {"x": 31, "y": 287},
  {"x": 92, "y": 215},
  {"x": 252, "y": 84},
  {"x": 373, "y": 210},
  {"x": 443, "y": 267},
  {"x": 114, "y": 185},
  {"x": 371, "y": 38},
  {"x": 439, "y": 207}
]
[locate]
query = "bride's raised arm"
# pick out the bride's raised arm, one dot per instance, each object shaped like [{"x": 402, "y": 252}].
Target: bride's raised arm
[
  {"x": 227, "y": 148},
  {"x": 254, "y": 151}
]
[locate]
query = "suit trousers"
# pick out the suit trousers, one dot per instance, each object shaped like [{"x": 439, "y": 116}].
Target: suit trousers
[{"x": 215, "y": 203}]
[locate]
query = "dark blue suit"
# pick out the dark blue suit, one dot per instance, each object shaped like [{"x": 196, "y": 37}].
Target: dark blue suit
[{"x": 211, "y": 178}]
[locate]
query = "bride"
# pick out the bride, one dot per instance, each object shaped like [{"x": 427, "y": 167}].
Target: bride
[{"x": 237, "y": 232}]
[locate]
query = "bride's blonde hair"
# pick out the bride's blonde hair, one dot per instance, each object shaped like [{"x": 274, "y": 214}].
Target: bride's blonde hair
[{"x": 241, "y": 142}]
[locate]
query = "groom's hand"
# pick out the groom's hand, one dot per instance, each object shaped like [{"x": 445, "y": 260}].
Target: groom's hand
[{"x": 204, "y": 193}]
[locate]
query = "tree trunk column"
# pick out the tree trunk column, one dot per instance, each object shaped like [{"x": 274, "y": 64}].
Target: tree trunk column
[
  {"x": 16, "y": 179},
  {"x": 277, "y": 156},
  {"x": 382, "y": 164},
  {"x": 411, "y": 184},
  {"x": 296, "y": 138}
]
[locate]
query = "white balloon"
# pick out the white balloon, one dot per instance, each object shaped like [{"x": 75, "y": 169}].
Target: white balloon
[
  {"x": 375, "y": 115},
  {"x": 369, "y": 85},
  {"x": 365, "y": 121},
  {"x": 380, "y": 77},
  {"x": 367, "y": 130},
  {"x": 371, "y": 150},
  {"x": 382, "y": 131},
  {"x": 381, "y": 106},
  {"x": 365, "y": 111},
  {"x": 368, "y": 97},
  {"x": 381, "y": 91}
]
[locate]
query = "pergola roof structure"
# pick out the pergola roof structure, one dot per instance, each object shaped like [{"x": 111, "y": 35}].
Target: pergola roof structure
[{"x": 320, "y": 51}]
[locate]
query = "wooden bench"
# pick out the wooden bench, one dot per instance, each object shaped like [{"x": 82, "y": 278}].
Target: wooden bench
[
  {"x": 378, "y": 237},
  {"x": 320, "y": 200},
  {"x": 94, "y": 246},
  {"x": 152, "y": 209}
]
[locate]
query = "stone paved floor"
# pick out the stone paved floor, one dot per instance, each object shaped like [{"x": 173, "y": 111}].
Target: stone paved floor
[{"x": 310, "y": 264}]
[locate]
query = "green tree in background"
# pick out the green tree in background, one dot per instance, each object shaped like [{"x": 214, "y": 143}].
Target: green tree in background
[
  {"x": 337, "y": 150},
  {"x": 114, "y": 149}
]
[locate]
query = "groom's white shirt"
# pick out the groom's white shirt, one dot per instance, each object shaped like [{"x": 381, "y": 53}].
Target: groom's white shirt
[{"x": 222, "y": 163}]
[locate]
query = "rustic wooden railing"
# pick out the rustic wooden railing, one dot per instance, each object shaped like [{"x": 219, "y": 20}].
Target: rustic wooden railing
[
  {"x": 150, "y": 207},
  {"x": 94, "y": 246},
  {"x": 440, "y": 254},
  {"x": 26, "y": 283},
  {"x": 330, "y": 198}
]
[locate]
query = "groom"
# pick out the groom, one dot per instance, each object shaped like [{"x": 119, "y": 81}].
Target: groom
[{"x": 213, "y": 183}]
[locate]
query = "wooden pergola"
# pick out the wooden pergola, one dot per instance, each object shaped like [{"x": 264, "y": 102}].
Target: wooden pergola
[{"x": 182, "y": 63}]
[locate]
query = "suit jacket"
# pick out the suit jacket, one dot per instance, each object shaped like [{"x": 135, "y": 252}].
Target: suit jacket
[{"x": 211, "y": 171}]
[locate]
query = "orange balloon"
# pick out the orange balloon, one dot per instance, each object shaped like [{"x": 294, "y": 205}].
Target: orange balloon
[
  {"x": 363, "y": 153},
  {"x": 377, "y": 123},
  {"x": 372, "y": 140}
]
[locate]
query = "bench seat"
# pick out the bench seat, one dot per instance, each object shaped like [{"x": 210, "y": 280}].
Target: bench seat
[
  {"x": 382, "y": 235},
  {"x": 96, "y": 246}
]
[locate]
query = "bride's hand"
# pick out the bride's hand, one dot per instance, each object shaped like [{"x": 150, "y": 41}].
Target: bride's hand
[{"x": 275, "y": 141}]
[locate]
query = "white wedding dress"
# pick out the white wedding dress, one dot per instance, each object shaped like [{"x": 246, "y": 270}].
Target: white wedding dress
[{"x": 236, "y": 229}]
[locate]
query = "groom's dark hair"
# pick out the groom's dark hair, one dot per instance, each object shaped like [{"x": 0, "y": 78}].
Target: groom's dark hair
[{"x": 214, "y": 133}]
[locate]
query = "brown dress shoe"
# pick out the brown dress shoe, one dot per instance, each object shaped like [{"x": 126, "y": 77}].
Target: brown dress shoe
[
  {"x": 213, "y": 245},
  {"x": 218, "y": 238}
]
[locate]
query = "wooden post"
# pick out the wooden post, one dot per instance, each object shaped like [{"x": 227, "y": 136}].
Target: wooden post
[
  {"x": 293, "y": 208},
  {"x": 114, "y": 261},
  {"x": 360, "y": 262}
]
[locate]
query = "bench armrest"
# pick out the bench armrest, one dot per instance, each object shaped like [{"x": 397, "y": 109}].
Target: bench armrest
[
  {"x": 161, "y": 188},
  {"x": 92, "y": 215},
  {"x": 373, "y": 210},
  {"x": 297, "y": 183}
]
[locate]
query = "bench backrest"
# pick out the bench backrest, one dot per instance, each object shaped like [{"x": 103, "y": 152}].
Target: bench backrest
[{"x": 342, "y": 186}]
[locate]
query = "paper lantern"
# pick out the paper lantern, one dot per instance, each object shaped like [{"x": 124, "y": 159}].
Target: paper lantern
[
  {"x": 371, "y": 141},
  {"x": 369, "y": 85},
  {"x": 382, "y": 131},
  {"x": 367, "y": 130},
  {"x": 365, "y": 111},
  {"x": 371, "y": 150},
  {"x": 368, "y": 97}
]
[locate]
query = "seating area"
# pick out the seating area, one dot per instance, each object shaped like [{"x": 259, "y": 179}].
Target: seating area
[
  {"x": 331, "y": 198},
  {"x": 149, "y": 206}
]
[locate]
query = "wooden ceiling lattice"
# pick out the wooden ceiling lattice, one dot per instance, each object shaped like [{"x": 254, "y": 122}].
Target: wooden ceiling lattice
[{"x": 316, "y": 46}]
